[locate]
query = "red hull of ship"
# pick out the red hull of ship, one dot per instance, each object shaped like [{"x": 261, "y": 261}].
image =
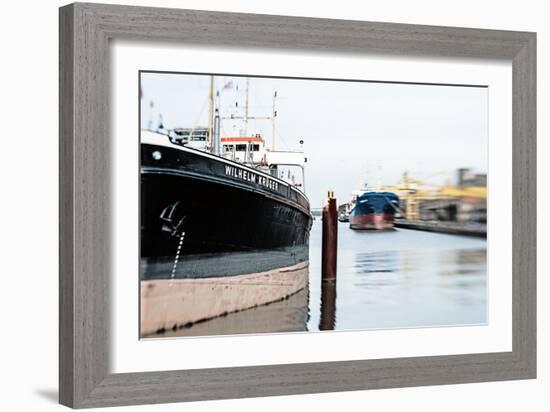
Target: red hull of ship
[{"x": 372, "y": 221}]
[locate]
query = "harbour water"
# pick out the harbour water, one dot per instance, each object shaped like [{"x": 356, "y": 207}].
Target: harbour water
[
  {"x": 386, "y": 279},
  {"x": 402, "y": 278}
]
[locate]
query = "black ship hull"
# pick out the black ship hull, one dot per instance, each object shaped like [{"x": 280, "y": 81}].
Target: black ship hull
[{"x": 203, "y": 216}]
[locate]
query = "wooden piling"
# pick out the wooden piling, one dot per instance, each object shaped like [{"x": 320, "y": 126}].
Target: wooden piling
[
  {"x": 330, "y": 238},
  {"x": 328, "y": 305}
]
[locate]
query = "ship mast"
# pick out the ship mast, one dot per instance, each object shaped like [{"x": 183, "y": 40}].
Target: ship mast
[
  {"x": 273, "y": 123},
  {"x": 217, "y": 126},
  {"x": 211, "y": 114},
  {"x": 246, "y": 117},
  {"x": 246, "y": 108}
]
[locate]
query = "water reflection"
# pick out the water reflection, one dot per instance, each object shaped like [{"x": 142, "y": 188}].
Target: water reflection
[
  {"x": 288, "y": 315},
  {"x": 462, "y": 261},
  {"x": 377, "y": 261}
]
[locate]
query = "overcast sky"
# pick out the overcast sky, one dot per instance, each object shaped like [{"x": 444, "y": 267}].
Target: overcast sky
[{"x": 353, "y": 131}]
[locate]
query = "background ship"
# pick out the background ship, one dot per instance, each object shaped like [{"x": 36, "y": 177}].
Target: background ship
[
  {"x": 343, "y": 212},
  {"x": 221, "y": 231},
  {"x": 373, "y": 210}
]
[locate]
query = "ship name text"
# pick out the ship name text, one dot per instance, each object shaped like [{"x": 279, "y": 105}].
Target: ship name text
[{"x": 252, "y": 177}]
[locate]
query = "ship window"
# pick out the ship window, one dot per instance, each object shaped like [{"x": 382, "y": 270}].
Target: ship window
[
  {"x": 228, "y": 147},
  {"x": 255, "y": 147},
  {"x": 241, "y": 148}
]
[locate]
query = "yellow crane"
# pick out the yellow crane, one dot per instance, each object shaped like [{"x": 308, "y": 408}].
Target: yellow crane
[{"x": 413, "y": 191}]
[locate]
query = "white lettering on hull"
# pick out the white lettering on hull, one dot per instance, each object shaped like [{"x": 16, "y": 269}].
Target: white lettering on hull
[{"x": 251, "y": 177}]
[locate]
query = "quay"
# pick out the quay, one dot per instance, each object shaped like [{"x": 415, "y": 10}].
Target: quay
[{"x": 453, "y": 228}]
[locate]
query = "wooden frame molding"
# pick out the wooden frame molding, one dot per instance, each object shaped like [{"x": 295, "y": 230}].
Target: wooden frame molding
[{"x": 85, "y": 32}]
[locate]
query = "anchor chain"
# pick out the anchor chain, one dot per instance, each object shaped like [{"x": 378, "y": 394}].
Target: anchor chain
[{"x": 174, "y": 267}]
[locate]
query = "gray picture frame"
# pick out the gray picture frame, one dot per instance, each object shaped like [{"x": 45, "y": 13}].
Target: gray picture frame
[{"x": 85, "y": 33}]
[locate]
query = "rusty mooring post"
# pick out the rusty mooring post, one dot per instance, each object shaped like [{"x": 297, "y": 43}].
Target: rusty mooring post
[
  {"x": 330, "y": 238},
  {"x": 328, "y": 305}
]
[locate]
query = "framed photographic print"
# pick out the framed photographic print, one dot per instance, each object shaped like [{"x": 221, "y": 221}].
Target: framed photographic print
[{"x": 257, "y": 205}]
